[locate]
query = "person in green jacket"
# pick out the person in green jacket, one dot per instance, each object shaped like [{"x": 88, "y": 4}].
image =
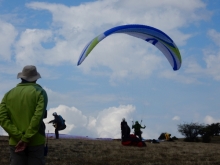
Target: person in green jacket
[
  {"x": 137, "y": 129},
  {"x": 21, "y": 115}
]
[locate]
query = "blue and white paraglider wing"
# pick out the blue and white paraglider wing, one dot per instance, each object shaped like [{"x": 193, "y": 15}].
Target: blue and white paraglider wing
[{"x": 152, "y": 35}]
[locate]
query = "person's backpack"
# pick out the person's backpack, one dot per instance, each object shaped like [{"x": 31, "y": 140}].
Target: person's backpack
[{"x": 62, "y": 122}]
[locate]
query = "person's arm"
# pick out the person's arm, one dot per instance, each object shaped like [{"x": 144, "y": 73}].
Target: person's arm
[
  {"x": 37, "y": 117},
  {"x": 143, "y": 127},
  {"x": 6, "y": 123},
  {"x": 52, "y": 121},
  {"x": 20, "y": 146}
]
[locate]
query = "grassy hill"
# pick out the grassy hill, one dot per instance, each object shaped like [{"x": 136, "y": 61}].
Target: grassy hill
[{"x": 99, "y": 152}]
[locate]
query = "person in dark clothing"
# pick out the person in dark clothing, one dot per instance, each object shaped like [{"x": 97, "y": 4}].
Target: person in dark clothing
[
  {"x": 137, "y": 129},
  {"x": 58, "y": 123},
  {"x": 125, "y": 130}
]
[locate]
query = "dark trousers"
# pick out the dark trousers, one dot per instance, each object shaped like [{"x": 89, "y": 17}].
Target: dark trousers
[
  {"x": 138, "y": 133},
  {"x": 57, "y": 133},
  {"x": 59, "y": 128},
  {"x": 33, "y": 155}
]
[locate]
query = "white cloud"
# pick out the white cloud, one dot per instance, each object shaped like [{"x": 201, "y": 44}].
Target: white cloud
[
  {"x": 209, "y": 120},
  {"x": 176, "y": 118},
  {"x": 178, "y": 77},
  {"x": 212, "y": 57},
  {"x": 194, "y": 71},
  {"x": 108, "y": 121},
  {"x": 215, "y": 36},
  {"x": 74, "y": 118},
  {"x": 212, "y": 60},
  {"x": 56, "y": 98},
  {"x": 29, "y": 49},
  {"x": 106, "y": 124},
  {"x": 120, "y": 53},
  {"x": 8, "y": 34}
]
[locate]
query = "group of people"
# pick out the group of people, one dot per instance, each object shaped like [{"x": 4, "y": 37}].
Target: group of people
[
  {"x": 125, "y": 130},
  {"x": 22, "y": 111}
]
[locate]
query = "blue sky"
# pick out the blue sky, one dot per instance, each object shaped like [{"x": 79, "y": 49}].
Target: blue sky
[{"x": 123, "y": 76}]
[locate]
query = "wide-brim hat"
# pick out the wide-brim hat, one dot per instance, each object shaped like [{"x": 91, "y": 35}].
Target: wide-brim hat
[{"x": 29, "y": 73}]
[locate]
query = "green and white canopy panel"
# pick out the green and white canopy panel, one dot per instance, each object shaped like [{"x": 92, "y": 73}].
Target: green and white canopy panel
[{"x": 152, "y": 35}]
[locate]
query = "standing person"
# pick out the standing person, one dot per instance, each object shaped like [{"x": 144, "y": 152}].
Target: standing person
[
  {"x": 125, "y": 130},
  {"x": 137, "y": 129},
  {"x": 21, "y": 115},
  {"x": 59, "y": 124}
]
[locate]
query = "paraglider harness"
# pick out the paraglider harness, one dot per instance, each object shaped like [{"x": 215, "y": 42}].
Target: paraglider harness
[{"x": 62, "y": 125}]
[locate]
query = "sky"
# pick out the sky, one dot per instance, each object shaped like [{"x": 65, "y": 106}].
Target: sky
[{"x": 123, "y": 76}]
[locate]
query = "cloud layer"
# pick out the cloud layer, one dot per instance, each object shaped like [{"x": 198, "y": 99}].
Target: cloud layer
[{"x": 72, "y": 27}]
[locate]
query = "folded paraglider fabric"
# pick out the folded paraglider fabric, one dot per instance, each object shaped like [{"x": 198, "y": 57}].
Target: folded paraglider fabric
[{"x": 133, "y": 141}]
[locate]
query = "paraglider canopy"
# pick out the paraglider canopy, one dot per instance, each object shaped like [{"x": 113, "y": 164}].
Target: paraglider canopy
[{"x": 150, "y": 34}]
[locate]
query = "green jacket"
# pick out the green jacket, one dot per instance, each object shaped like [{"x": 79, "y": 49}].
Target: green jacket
[
  {"x": 137, "y": 127},
  {"x": 21, "y": 114}
]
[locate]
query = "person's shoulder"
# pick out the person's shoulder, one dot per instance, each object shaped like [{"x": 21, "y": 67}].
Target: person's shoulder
[
  {"x": 6, "y": 94},
  {"x": 14, "y": 88},
  {"x": 38, "y": 87}
]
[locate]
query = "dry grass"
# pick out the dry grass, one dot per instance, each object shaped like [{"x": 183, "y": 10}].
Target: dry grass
[{"x": 98, "y": 152}]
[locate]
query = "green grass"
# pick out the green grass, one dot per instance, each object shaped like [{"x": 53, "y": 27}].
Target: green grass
[{"x": 98, "y": 152}]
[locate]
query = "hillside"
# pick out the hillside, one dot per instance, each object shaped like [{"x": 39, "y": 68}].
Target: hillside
[{"x": 100, "y": 152}]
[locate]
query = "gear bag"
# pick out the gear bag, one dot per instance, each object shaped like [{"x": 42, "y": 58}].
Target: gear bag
[{"x": 62, "y": 122}]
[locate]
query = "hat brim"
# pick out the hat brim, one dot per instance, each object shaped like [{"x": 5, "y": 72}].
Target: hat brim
[{"x": 30, "y": 79}]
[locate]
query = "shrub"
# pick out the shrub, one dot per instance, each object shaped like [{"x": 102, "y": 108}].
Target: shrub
[{"x": 190, "y": 131}]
